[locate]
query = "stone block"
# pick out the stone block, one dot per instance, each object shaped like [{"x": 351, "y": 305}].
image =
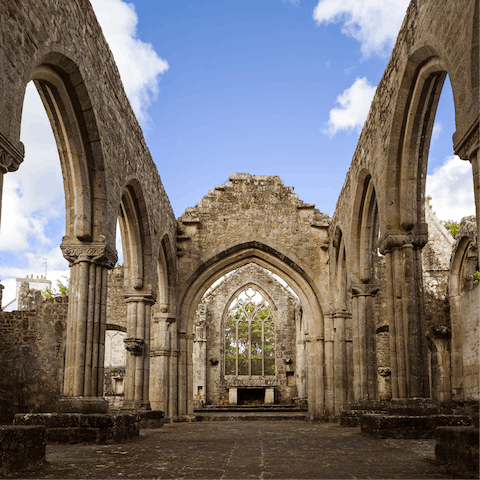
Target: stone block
[
  {"x": 269, "y": 396},
  {"x": 232, "y": 396},
  {"x": 459, "y": 447},
  {"x": 21, "y": 447},
  {"x": 408, "y": 426},
  {"x": 84, "y": 428}
]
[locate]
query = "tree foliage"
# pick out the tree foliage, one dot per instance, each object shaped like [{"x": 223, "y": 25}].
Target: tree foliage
[
  {"x": 452, "y": 227},
  {"x": 61, "y": 290}
]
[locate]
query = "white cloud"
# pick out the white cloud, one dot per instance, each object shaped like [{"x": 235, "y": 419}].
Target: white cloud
[
  {"x": 451, "y": 189},
  {"x": 354, "y": 107},
  {"x": 34, "y": 194},
  {"x": 138, "y": 63},
  {"x": 374, "y": 23},
  {"x": 437, "y": 129}
]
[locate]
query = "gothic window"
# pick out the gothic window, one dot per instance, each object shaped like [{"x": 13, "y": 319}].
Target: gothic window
[{"x": 249, "y": 335}]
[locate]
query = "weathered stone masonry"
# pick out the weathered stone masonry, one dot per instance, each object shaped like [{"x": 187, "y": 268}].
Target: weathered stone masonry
[{"x": 376, "y": 319}]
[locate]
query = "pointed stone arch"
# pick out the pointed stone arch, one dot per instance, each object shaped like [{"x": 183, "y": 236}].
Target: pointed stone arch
[{"x": 311, "y": 299}]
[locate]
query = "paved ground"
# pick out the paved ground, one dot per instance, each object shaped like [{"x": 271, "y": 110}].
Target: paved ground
[{"x": 263, "y": 449}]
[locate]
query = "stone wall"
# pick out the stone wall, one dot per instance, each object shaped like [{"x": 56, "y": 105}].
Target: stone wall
[
  {"x": 253, "y": 208},
  {"x": 31, "y": 357},
  {"x": 116, "y": 305}
]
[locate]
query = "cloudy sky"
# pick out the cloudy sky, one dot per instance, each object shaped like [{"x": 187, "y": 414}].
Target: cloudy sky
[{"x": 277, "y": 87}]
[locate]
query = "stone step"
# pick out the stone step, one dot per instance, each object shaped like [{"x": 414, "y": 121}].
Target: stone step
[
  {"x": 250, "y": 408},
  {"x": 203, "y": 416}
]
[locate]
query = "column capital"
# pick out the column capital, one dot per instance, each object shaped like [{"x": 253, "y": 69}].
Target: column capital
[
  {"x": 164, "y": 317},
  {"x": 466, "y": 144},
  {"x": 147, "y": 297},
  {"x": 135, "y": 346},
  {"x": 10, "y": 156},
  {"x": 393, "y": 240},
  {"x": 365, "y": 289},
  {"x": 99, "y": 253}
]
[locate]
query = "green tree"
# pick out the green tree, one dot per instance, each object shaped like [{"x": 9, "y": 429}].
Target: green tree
[
  {"x": 452, "y": 227},
  {"x": 61, "y": 290}
]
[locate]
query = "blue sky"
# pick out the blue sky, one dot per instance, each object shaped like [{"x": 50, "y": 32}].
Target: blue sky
[{"x": 274, "y": 87}]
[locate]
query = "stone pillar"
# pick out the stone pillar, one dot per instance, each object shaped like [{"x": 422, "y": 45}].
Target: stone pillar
[
  {"x": 137, "y": 344},
  {"x": 315, "y": 375},
  {"x": 85, "y": 343},
  {"x": 329, "y": 365},
  {"x": 406, "y": 312},
  {"x": 173, "y": 373},
  {"x": 441, "y": 388},
  {"x": 200, "y": 357},
  {"x": 300, "y": 357},
  {"x": 340, "y": 373},
  {"x": 160, "y": 362},
  {"x": 364, "y": 354},
  {"x": 10, "y": 159},
  {"x": 182, "y": 374}
]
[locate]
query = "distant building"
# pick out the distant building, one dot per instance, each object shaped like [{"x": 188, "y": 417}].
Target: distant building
[{"x": 39, "y": 283}]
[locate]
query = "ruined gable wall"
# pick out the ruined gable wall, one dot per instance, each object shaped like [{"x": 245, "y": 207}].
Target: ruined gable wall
[
  {"x": 30, "y": 30},
  {"x": 285, "y": 340},
  {"x": 253, "y": 208},
  {"x": 31, "y": 357}
]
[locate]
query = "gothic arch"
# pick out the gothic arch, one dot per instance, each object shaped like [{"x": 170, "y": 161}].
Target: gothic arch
[
  {"x": 136, "y": 239},
  {"x": 310, "y": 298},
  {"x": 412, "y": 125},
  {"x": 67, "y": 103}
]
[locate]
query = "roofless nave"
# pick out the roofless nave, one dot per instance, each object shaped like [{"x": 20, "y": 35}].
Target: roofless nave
[{"x": 353, "y": 274}]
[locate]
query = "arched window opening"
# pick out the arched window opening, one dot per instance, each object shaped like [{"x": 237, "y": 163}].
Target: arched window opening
[
  {"x": 34, "y": 213},
  {"x": 249, "y": 335}
]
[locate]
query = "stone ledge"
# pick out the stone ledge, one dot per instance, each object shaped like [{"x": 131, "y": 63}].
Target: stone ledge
[
  {"x": 21, "y": 447},
  {"x": 458, "y": 447},
  {"x": 404, "y": 426},
  {"x": 84, "y": 428}
]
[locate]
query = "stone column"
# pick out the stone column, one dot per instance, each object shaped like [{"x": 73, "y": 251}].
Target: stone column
[
  {"x": 300, "y": 357},
  {"x": 340, "y": 373},
  {"x": 364, "y": 354},
  {"x": 10, "y": 159},
  {"x": 85, "y": 344},
  {"x": 406, "y": 313},
  {"x": 329, "y": 365},
  {"x": 182, "y": 374},
  {"x": 137, "y": 344},
  {"x": 200, "y": 357},
  {"x": 173, "y": 373},
  {"x": 160, "y": 362}
]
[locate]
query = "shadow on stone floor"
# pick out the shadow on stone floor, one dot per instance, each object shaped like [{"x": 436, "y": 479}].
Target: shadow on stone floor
[{"x": 288, "y": 449}]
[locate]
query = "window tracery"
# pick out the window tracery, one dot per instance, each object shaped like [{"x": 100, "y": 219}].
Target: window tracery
[{"x": 249, "y": 335}]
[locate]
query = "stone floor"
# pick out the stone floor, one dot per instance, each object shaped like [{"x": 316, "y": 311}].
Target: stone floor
[{"x": 264, "y": 449}]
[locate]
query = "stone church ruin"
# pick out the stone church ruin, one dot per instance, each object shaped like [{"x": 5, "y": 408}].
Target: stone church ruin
[{"x": 252, "y": 296}]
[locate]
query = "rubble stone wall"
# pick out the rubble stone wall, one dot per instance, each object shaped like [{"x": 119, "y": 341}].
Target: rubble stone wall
[{"x": 32, "y": 357}]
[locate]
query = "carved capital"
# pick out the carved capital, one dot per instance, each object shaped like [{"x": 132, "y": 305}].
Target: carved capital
[
  {"x": 10, "y": 156},
  {"x": 417, "y": 237},
  {"x": 150, "y": 297},
  {"x": 134, "y": 345},
  {"x": 384, "y": 371},
  {"x": 468, "y": 143},
  {"x": 99, "y": 253},
  {"x": 365, "y": 289},
  {"x": 441, "y": 331}
]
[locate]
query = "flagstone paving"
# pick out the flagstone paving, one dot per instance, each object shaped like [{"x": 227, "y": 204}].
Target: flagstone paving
[{"x": 250, "y": 450}]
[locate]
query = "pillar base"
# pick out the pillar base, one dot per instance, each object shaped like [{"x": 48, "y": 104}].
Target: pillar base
[
  {"x": 136, "y": 405},
  {"x": 413, "y": 406},
  {"x": 81, "y": 405}
]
